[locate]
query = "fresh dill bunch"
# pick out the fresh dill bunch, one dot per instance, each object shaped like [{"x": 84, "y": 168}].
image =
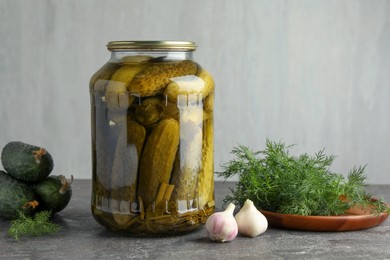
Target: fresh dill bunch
[
  {"x": 277, "y": 181},
  {"x": 38, "y": 225}
]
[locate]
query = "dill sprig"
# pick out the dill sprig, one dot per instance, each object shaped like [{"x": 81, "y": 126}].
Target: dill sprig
[
  {"x": 277, "y": 181},
  {"x": 38, "y": 225}
]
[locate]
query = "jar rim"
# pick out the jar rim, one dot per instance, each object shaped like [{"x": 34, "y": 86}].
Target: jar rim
[{"x": 151, "y": 45}]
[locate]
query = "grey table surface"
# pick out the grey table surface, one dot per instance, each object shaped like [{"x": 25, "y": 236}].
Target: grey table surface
[{"x": 83, "y": 238}]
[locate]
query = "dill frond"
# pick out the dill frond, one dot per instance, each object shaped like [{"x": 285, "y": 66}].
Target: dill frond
[
  {"x": 38, "y": 225},
  {"x": 277, "y": 181}
]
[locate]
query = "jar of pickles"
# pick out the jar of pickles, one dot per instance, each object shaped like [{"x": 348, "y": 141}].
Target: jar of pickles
[{"x": 152, "y": 139}]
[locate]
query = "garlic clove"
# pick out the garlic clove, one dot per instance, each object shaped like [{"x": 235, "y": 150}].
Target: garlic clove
[
  {"x": 222, "y": 226},
  {"x": 250, "y": 221}
]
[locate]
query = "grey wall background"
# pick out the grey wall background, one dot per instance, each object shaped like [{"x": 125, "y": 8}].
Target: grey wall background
[{"x": 311, "y": 73}]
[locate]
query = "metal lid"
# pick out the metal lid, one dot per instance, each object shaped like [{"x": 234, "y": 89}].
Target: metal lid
[{"x": 151, "y": 45}]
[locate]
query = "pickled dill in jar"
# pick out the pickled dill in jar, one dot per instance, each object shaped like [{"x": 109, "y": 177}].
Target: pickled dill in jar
[{"x": 152, "y": 139}]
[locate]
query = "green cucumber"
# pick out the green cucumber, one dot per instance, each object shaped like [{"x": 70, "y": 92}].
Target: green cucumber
[
  {"x": 54, "y": 193},
  {"x": 26, "y": 162},
  {"x": 15, "y": 197}
]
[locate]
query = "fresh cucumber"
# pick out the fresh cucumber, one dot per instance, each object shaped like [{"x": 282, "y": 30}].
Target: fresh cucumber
[
  {"x": 54, "y": 193},
  {"x": 15, "y": 197},
  {"x": 26, "y": 162}
]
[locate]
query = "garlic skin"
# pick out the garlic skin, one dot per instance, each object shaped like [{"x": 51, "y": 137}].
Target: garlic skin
[
  {"x": 222, "y": 226},
  {"x": 250, "y": 221}
]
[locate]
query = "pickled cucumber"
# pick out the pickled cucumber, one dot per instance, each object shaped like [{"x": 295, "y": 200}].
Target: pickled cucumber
[
  {"x": 154, "y": 78},
  {"x": 136, "y": 134},
  {"x": 201, "y": 84},
  {"x": 171, "y": 111},
  {"x": 104, "y": 144},
  {"x": 185, "y": 176},
  {"x": 206, "y": 175},
  {"x": 117, "y": 95},
  {"x": 125, "y": 169},
  {"x": 135, "y": 59},
  {"x": 100, "y": 79},
  {"x": 157, "y": 159},
  {"x": 208, "y": 104},
  {"x": 150, "y": 111}
]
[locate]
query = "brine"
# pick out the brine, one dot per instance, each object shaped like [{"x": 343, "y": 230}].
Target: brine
[{"x": 152, "y": 145}]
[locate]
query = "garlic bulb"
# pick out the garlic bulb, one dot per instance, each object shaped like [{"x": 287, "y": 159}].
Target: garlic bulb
[
  {"x": 250, "y": 221},
  {"x": 221, "y": 226}
]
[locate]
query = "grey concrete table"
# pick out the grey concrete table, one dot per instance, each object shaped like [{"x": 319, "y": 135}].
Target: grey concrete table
[{"x": 83, "y": 238}]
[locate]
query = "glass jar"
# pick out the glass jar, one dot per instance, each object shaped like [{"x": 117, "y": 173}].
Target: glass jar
[{"x": 152, "y": 139}]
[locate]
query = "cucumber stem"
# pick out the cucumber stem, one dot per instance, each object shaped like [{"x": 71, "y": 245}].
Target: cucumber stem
[
  {"x": 38, "y": 154},
  {"x": 65, "y": 184},
  {"x": 31, "y": 204}
]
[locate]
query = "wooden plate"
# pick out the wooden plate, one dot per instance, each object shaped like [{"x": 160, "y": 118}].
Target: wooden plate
[{"x": 354, "y": 219}]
